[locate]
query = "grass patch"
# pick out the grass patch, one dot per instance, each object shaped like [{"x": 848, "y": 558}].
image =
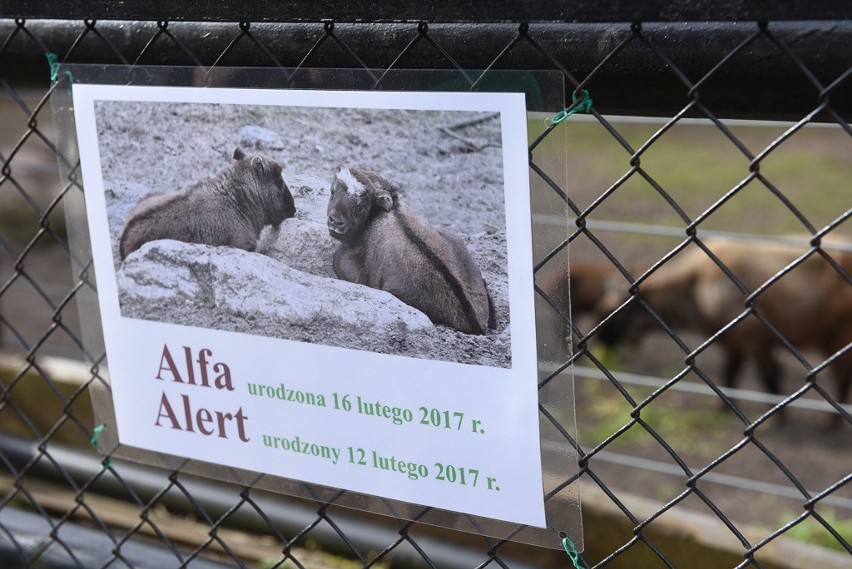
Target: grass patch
[
  {"x": 697, "y": 165},
  {"x": 605, "y": 411},
  {"x": 813, "y": 532},
  {"x": 683, "y": 429}
]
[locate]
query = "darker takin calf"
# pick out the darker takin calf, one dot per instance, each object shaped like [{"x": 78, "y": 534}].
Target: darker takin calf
[
  {"x": 228, "y": 210},
  {"x": 587, "y": 283},
  {"x": 810, "y": 305},
  {"x": 383, "y": 245}
]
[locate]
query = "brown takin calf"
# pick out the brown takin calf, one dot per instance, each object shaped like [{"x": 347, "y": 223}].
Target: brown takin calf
[
  {"x": 587, "y": 283},
  {"x": 385, "y": 246},
  {"x": 228, "y": 210},
  {"x": 810, "y": 306}
]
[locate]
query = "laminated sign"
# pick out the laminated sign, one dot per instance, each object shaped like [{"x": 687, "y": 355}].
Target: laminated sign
[{"x": 331, "y": 287}]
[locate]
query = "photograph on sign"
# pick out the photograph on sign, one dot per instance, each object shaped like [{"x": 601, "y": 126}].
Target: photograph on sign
[{"x": 334, "y": 287}]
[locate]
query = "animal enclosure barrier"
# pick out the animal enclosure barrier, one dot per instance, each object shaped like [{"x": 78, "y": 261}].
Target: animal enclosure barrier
[{"x": 708, "y": 222}]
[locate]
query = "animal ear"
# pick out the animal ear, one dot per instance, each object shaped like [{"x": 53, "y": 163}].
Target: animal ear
[
  {"x": 383, "y": 197},
  {"x": 384, "y": 191},
  {"x": 238, "y": 153}
]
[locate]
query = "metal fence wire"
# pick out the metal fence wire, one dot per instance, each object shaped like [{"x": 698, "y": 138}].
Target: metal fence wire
[{"x": 678, "y": 468}]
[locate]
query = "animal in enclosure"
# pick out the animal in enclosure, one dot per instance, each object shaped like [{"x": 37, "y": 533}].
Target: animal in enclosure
[
  {"x": 810, "y": 306},
  {"x": 587, "y": 283},
  {"x": 229, "y": 209},
  {"x": 384, "y": 245}
]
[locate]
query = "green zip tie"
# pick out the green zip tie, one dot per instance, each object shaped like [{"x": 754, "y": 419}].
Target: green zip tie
[
  {"x": 53, "y": 62},
  {"x": 584, "y": 106},
  {"x": 570, "y": 549},
  {"x": 96, "y": 433}
]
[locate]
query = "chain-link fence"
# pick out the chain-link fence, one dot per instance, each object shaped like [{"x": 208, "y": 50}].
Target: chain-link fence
[{"x": 709, "y": 200}]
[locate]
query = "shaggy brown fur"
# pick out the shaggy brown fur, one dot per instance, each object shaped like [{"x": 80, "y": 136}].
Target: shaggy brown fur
[
  {"x": 383, "y": 245},
  {"x": 810, "y": 306},
  {"x": 228, "y": 210}
]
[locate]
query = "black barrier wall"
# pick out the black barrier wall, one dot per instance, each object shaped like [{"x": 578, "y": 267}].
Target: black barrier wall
[{"x": 708, "y": 210}]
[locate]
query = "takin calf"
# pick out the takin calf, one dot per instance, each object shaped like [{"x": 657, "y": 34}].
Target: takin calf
[
  {"x": 385, "y": 246},
  {"x": 229, "y": 210},
  {"x": 587, "y": 283},
  {"x": 810, "y": 306}
]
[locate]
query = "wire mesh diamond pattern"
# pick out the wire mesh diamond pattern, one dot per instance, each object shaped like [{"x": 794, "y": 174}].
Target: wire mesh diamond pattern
[{"x": 631, "y": 420}]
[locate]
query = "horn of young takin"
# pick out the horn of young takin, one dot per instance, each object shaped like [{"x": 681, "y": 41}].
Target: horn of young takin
[{"x": 384, "y": 245}]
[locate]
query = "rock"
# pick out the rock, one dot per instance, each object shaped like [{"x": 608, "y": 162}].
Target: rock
[
  {"x": 302, "y": 245},
  {"x": 232, "y": 289},
  {"x": 252, "y": 136}
]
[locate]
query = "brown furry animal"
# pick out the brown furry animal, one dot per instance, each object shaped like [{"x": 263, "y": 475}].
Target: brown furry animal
[
  {"x": 385, "y": 246},
  {"x": 228, "y": 210},
  {"x": 810, "y": 306},
  {"x": 587, "y": 283}
]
